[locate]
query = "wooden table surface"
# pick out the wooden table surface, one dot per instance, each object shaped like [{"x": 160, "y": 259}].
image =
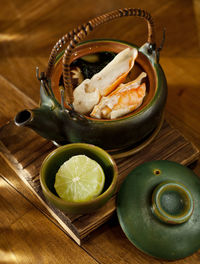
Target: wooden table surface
[{"x": 28, "y": 31}]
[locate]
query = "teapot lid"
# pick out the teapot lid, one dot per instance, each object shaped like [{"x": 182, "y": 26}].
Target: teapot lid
[{"x": 158, "y": 208}]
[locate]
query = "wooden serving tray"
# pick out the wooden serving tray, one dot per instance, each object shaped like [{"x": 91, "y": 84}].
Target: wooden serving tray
[{"x": 25, "y": 151}]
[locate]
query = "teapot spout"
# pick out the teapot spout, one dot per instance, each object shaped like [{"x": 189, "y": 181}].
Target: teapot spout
[
  {"x": 45, "y": 122},
  {"x": 23, "y": 118}
]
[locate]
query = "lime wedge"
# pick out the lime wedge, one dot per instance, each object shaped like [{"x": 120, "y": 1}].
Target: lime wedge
[{"x": 79, "y": 179}]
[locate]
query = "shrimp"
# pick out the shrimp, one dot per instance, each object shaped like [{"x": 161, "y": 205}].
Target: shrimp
[{"x": 126, "y": 98}]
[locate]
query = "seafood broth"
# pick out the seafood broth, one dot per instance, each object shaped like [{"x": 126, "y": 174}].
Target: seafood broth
[
  {"x": 85, "y": 67},
  {"x": 88, "y": 69},
  {"x": 98, "y": 60}
]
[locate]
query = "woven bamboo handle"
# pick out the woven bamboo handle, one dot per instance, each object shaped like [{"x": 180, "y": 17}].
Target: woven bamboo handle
[
  {"x": 78, "y": 34},
  {"x": 58, "y": 47}
]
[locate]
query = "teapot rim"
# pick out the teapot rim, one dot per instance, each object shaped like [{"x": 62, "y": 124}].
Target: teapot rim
[{"x": 112, "y": 45}]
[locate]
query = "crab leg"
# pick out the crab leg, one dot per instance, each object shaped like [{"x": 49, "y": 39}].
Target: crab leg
[
  {"x": 126, "y": 98},
  {"x": 90, "y": 91},
  {"x": 115, "y": 72}
]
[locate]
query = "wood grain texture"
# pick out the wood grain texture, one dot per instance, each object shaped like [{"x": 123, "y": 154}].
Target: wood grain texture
[
  {"x": 26, "y": 241},
  {"x": 19, "y": 100},
  {"x": 28, "y": 31},
  {"x": 33, "y": 28},
  {"x": 26, "y": 161},
  {"x": 111, "y": 240}
]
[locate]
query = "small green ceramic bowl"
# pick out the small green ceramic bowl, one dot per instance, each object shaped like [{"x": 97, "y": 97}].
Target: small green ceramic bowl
[{"x": 55, "y": 159}]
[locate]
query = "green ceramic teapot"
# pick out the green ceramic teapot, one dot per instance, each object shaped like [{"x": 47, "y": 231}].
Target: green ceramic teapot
[{"x": 56, "y": 119}]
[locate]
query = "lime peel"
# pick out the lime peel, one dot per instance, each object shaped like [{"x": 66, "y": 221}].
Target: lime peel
[{"x": 79, "y": 179}]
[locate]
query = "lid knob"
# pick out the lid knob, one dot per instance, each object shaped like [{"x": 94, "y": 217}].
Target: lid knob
[{"x": 172, "y": 203}]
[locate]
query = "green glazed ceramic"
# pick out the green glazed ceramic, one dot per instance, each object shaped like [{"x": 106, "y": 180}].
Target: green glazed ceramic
[
  {"x": 172, "y": 203},
  {"x": 158, "y": 207},
  {"x": 56, "y": 119},
  {"x": 51, "y": 122},
  {"x": 55, "y": 159}
]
